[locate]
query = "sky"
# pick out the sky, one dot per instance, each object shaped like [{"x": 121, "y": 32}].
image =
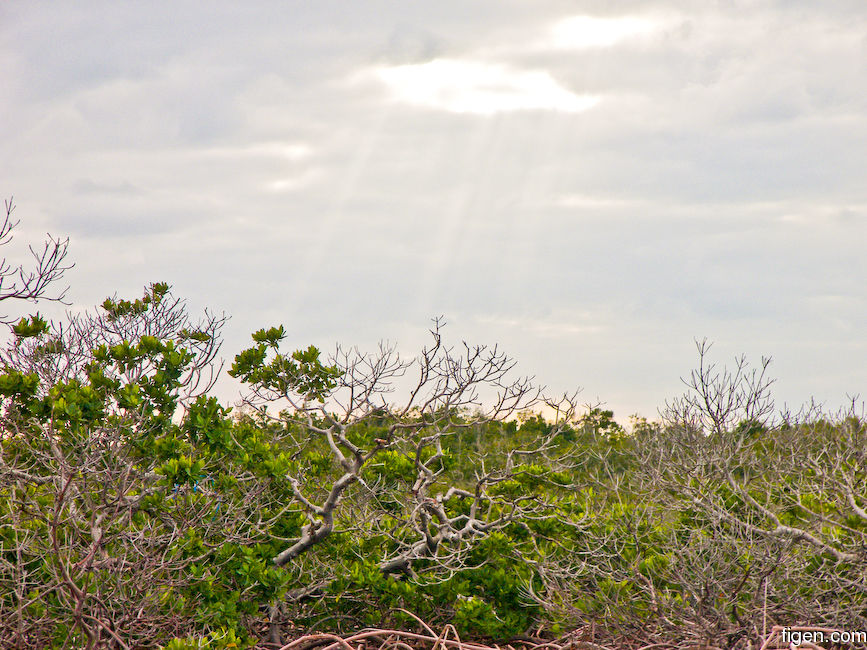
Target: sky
[{"x": 593, "y": 186}]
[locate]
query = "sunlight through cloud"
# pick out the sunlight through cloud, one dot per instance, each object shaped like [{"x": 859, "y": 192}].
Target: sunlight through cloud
[{"x": 480, "y": 88}]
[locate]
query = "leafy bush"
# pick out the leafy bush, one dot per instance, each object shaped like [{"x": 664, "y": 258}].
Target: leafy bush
[{"x": 135, "y": 508}]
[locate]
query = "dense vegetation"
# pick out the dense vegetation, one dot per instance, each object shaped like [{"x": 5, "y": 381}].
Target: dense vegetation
[{"x": 138, "y": 511}]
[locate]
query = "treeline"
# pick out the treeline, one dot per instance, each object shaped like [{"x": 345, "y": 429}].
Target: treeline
[{"x": 137, "y": 511}]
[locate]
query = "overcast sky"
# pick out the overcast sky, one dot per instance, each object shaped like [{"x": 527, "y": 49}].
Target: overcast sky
[{"x": 592, "y": 185}]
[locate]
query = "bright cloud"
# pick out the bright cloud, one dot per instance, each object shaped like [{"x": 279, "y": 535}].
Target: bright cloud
[
  {"x": 482, "y": 88},
  {"x": 591, "y": 31}
]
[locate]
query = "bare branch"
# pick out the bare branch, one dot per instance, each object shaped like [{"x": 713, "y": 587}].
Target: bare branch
[{"x": 31, "y": 285}]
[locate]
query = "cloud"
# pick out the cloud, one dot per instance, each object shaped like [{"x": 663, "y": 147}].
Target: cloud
[
  {"x": 293, "y": 183},
  {"x": 586, "y": 201},
  {"x": 577, "y": 32},
  {"x": 565, "y": 326},
  {"x": 673, "y": 169},
  {"x": 463, "y": 86},
  {"x": 118, "y": 188}
]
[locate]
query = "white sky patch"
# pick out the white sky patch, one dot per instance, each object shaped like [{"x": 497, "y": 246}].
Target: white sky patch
[
  {"x": 481, "y": 88},
  {"x": 293, "y": 184},
  {"x": 579, "y": 32},
  {"x": 589, "y": 201},
  {"x": 578, "y": 324},
  {"x": 287, "y": 150}
]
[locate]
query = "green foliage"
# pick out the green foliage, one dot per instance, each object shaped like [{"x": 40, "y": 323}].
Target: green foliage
[
  {"x": 302, "y": 372},
  {"x": 208, "y": 423},
  {"x": 223, "y": 639},
  {"x": 18, "y": 385},
  {"x": 110, "y": 501},
  {"x": 30, "y": 327},
  {"x": 117, "y": 309}
]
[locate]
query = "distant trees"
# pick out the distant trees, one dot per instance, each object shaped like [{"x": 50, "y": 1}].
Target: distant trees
[
  {"x": 67, "y": 350},
  {"x": 725, "y": 519},
  {"x": 137, "y": 511},
  {"x": 776, "y": 503},
  {"x": 384, "y": 470},
  {"x": 125, "y": 522},
  {"x": 122, "y": 524},
  {"x": 94, "y": 477}
]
